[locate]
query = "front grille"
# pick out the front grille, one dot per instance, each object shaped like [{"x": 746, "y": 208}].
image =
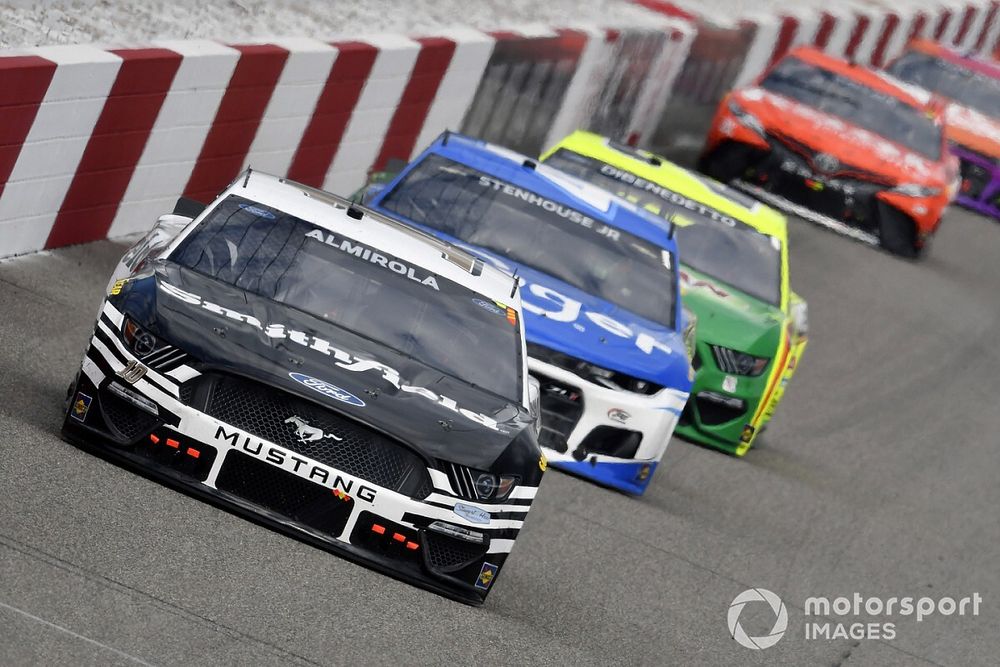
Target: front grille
[
  {"x": 318, "y": 433},
  {"x": 447, "y": 554},
  {"x": 283, "y": 492},
  {"x": 125, "y": 420},
  {"x": 975, "y": 178},
  {"x": 714, "y": 409},
  {"x": 562, "y": 407},
  {"x": 611, "y": 441},
  {"x": 849, "y": 200},
  {"x": 844, "y": 171}
]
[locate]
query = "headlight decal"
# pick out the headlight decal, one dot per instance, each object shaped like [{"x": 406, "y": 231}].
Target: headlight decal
[{"x": 738, "y": 363}]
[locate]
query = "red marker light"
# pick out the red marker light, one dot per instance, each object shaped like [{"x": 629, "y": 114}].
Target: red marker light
[
  {"x": 193, "y": 453},
  {"x": 399, "y": 537},
  {"x": 155, "y": 439},
  {"x": 378, "y": 529},
  {"x": 173, "y": 443},
  {"x": 412, "y": 545}
]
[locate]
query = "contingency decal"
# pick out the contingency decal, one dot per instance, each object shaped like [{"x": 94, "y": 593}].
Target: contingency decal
[
  {"x": 81, "y": 404},
  {"x": 341, "y": 358},
  {"x": 486, "y": 575}
]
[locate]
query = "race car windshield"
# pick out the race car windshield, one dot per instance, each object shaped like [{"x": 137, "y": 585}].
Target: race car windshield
[
  {"x": 970, "y": 88},
  {"x": 549, "y": 237},
  {"x": 840, "y": 96},
  {"x": 739, "y": 256},
  {"x": 384, "y": 298},
  {"x": 708, "y": 240}
]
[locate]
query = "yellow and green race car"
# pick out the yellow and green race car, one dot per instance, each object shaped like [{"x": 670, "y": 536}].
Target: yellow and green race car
[{"x": 733, "y": 250}]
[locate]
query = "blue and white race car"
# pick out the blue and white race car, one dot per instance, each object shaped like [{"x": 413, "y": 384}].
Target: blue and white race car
[{"x": 600, "y": 288}]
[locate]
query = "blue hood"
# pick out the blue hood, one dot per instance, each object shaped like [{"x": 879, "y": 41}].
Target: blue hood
[
  {"x": 652, "y": 352},
  {"x": 557, "y": 315}
]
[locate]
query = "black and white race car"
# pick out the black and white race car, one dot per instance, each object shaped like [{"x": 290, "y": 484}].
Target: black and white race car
[{"x": 332, "y": 372}]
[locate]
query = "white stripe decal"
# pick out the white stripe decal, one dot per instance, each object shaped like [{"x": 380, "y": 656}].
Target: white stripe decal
[
  {"x": 365, "y": 133},
  {"x": 113, "y": 314},
  {"x": 183, "y": 373},
  {"x": 178, "y": 134},
  {"x": 52, "y": 150},
  {"x": 439, "y": 480},
  {"x": 91, "y": 370},
  {"x": 291, "y": 106},
  {"x": 524, "y": 492},
  {"x": 500, "y": 546}
]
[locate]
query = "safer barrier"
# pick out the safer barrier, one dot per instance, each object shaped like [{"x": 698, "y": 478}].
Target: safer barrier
[{"x": 96, "y": 142}]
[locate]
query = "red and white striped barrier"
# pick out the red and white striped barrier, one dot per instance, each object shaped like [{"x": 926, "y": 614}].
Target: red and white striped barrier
[
  {"x": 99, "y": 142},
  {"x": 96, "y": 142},
  {"x": 872, "y": 32}
]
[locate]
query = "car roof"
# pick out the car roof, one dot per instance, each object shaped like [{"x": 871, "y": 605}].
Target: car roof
[
  {"x": 331, "y": 212},
  {"x": 661, "y": 171},
  {"x": 857, "y": 73},
  {"x": 553, "y": 184}
]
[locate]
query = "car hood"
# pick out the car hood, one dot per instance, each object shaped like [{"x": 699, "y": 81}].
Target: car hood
[
  {"x": 731, "y": 318},
  {"x": 569, "y": 320},
  {"x": 230, "y": 330},
  {"x": 826, "y": 133}
]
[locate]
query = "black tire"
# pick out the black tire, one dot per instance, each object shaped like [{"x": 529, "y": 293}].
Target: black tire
[
  {"x": 724, "y": 164},
  {"x": 898, "y": 233}
]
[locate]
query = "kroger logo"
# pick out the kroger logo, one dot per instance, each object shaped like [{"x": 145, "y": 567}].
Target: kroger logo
[
  {"x": 327, "y": 389},
  {"x": 780, "y": 618}
]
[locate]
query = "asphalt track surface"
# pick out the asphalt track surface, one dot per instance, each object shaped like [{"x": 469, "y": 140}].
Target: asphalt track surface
[{"x": 878, "y": 476}]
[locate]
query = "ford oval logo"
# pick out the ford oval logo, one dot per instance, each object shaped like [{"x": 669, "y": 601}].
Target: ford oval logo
[
  {"x": 473, "y": 514},
  {"x": 327, "y": 389},
  {"x": 256, "y": 210}
]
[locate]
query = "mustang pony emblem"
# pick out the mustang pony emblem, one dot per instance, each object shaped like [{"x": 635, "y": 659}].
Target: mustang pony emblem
[{"x": 307, "y": 433}]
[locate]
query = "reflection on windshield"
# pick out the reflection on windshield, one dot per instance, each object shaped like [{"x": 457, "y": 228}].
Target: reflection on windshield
[
  {"x": 972, "y": 89},
  {"x": 743, "y": 258},
  {"x": 716, "y": 245},
  {"x": 550, "y": 237},
  {"x": 849, "y": 100},
  {"x": 361, "y": 289}
]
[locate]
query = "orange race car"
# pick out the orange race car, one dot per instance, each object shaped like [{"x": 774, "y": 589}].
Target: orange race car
[{"x": 837, "y": 144}]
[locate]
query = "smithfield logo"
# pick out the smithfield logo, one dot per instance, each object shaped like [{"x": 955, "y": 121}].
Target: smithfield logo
[
  {"x": 780, "y": 618},
  {"x": 473, "y": 514},
  {"x": 327, "y": 389}
]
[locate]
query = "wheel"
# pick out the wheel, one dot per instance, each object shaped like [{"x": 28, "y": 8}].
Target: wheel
[
  {"x": 724, "y": 164},
  {"x": 898, "y": 233}
]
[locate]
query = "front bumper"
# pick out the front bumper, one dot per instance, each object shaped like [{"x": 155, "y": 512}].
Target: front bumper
[
  {"x": 615, "y": 438},
  {"x": 980, "y": 189},
  {"x": 848, "y": 205},
  {"x": 416, "y": 539}
]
